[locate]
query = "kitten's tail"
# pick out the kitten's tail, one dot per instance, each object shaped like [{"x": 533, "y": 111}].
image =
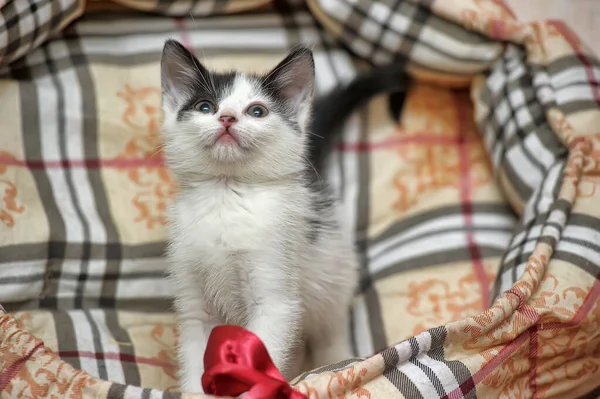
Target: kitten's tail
[{"x": 331, "y": 110}]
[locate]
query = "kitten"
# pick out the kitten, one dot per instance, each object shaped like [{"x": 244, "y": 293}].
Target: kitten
[{"x": 255, "y": 237}]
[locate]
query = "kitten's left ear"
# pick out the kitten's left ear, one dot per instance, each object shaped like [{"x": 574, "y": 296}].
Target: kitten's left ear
[
  {"x": 180, "y": 70},
  {"x": 293, "y": 79}
]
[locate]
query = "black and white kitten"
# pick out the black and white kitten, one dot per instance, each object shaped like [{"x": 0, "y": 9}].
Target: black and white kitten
[{"x": 255, "y": 238}]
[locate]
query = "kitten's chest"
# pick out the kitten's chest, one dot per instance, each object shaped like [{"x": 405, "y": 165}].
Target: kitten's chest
[{"x": 229, "y": 221}]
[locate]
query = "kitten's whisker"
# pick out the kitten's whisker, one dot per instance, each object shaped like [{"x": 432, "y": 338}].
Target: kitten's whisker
[{"x": 314, "y": 134}]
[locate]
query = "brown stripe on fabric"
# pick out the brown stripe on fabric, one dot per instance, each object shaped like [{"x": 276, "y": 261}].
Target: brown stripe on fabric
[
  {"x": 131, "y": 371},
  {"x": 171, "y": 395},
  {"x": 149, "y": 305},
  {"x": 435, "y": 259},
  {"x": 521, "y": 84},
  {"x": 551, "y": 241},
  {"x": 66, "y": 337},
  {"x": 30, "y": 122},
  {"x": 30, "y": 278},
  {"x": 69, "y": 276},
  {"x": 288, "y": 22},
  {"x": 116, "y": 391},
  {"x": 90, "y": 141},
  {"x": 576, "y": 260},
  {"x": 413, "y": 221},
  {"x": 550, "y": 140},
  {"x": 68, "y": 175},
  {"x": 37, "y": 70},
  {"x": 459, "y": 370},
  {"x": 146, "y": 305},
  {"x": 400, "y": 380},
  {"x": 584, "y": 220},
  {"x": 511, "y": 177},
  {"x": 573, "y": 107},
  {"x": 40, "y": 251},
  {"x": 440, "y": 233},
  {"x": 571, "y": 61},
  {"x": 97, "y": 343},
  {"x": 377, "y": 328}
]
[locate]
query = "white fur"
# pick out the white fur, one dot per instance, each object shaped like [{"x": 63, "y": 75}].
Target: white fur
[{"x": 239, "y": 249}]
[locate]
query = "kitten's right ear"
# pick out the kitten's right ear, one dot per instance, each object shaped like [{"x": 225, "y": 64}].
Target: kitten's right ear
[{"x": 179, "y": 71}]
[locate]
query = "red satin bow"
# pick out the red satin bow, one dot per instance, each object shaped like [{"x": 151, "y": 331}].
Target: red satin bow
[{"x": 236, "y": 361}]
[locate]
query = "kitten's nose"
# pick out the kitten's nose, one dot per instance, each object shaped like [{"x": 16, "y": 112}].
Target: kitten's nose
[{"x": 227, "y": 120}]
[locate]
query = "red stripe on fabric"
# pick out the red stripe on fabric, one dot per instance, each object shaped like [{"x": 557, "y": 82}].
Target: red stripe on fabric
[
  {"x": 533, "y": 352},
  {"x": 431, "y": 139},
  {"x": 497, "y": 29},
  {"x": 518, "y": 293},
  {"x": 158, "y": 162},
  {"x": 504, "y": 354},
  {"x": 122, "y": 357},
  {"x": 573, "y": 41},
  {"x": 118, "y": 163},
  {"x": 11, "y": 371},
  {"x": 467, "y": 206}
]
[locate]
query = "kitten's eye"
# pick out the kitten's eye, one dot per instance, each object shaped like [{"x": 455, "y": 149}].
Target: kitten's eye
[
  {"x": 205, "y": 107},
  {"x": 257, "y": 111}
]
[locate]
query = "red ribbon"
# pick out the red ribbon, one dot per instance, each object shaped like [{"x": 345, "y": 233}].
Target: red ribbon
[{"x": 236, "y": 361}]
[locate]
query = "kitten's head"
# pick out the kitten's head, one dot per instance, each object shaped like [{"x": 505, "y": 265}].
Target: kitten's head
[{"x": 235, "y": 124}]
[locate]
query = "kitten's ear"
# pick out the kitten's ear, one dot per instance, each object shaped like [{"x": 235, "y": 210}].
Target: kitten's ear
[
  {"x": 293, "y": 79},
  {"x": 179, "y": 71}
]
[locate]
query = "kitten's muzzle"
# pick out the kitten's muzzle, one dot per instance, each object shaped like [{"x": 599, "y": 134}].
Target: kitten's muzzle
[{"x": 227, "y": 136}]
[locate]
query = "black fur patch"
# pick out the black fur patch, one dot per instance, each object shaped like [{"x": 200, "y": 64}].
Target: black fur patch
[
  {"x": 212, "y": 87},
  {"x": 331, "y": 110},
  {"x": 322, "y": 204}
]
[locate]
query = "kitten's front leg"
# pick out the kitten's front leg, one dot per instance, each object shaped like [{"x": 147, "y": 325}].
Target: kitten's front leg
[
  {"x": 279, "y": 328},
  {"x": 193, "y": 337},
  {"x": 276, "y": 316},
  {"x": 196, "y": 321}
]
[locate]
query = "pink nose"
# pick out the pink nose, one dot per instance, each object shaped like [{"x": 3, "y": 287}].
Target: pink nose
[{"x": 227, "y": 120}]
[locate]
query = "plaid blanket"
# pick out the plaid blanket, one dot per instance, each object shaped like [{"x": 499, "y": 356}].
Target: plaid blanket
[{"x": 478, "y": 190}]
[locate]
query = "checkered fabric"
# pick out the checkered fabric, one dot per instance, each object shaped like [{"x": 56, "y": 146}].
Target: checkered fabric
[
  {"x": 25, "y": 25},
  {"x": 478, "y": 189},
  {"x": 391, "y": 30}
]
